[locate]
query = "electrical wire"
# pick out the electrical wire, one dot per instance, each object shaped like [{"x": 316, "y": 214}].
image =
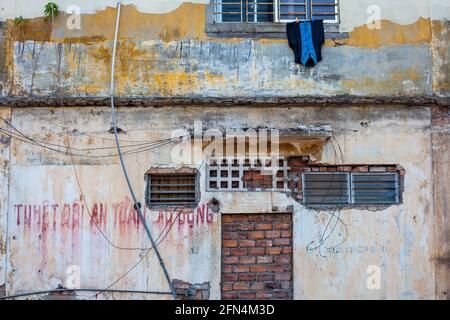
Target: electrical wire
[
  {"x": 78, "y": 132},
  {"x": 146, "y": 254},
  {"x": 143, "y": 145},
  {"x": 324, "y": 237},
  {"x": 122, "y": 163},
  {"x": 34, "y": 293},
  {"x": 51, "y": 147}
]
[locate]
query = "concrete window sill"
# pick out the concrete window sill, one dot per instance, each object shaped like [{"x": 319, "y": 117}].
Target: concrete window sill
[{"x": 263, "y": 30}]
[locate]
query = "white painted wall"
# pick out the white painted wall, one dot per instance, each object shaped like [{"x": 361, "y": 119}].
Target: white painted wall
[{"x": 353, "y": 13}]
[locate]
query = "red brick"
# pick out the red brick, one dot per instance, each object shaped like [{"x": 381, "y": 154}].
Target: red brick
[
  {"x": 282, "y": 242},
  {"x": 227, "y": 269},
  {"x": 264, "y": 226},
  {"x": 241, "y": 269},
  {"x": 281, "y": 294},
  {"x": 282, "y": 226},
  {"x": 258, "y": 176},
  {"x": 273, "y": 285},
  {"x": 247, "y": 260},
  {"x": 239, "y": 252},
  {"x": 264, "y": 259},
  {"x": 361, "y": 169},
  {"x": 242, "y": 285},
  {"x": 246, "y": 277},
  {"x": 273, "y": 234},
  {"x": 344, "y": 169},
  {"x": 286, "y": 234},
  {"x": 229, "y": 295},
  {"x": 275, "y": 268},
  {"x": 246, "y": 226},
  {"x": 257, "y": 218},
  {"x": 297, "y": 163},
  {"x": 229, "y": 277},
  {"x": 256, "y": 251},
  {"x": 229, "y": 243},
  {"x": 247, "y": 295},
  {"x": 229, "y": 228},
  {"x": 265, "y": 277},
  {"x": 247, "y": 243},
  {"x": 323, "y": 169},
  {"x": 238, "y": 235},
  {"x": 227, "y": 218},
  {"x": 274, "y": 250},
  {"x": 258, "y": 269},
  {"x": 287, "y": 250},
  {"x": 227, "y": 287},
  {"x": 283, "y": 276},
  {"x": 263, "y": 295},
  {"x": 240, "y": 217},
  {"x": 226, "y": 251},
  {"x": 230, "y": 260},
  {"x": 256, "y": 235},
  {"x": 257, "y": 286},
  {"x": 226, "y": 235},
  {"x": 264, "y": 243}
]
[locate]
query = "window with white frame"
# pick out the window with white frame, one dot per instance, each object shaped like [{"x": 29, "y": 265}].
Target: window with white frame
[{"x": 260, "y": 11}]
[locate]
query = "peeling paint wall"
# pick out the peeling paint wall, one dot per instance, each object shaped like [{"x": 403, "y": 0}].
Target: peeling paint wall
[
  {"x": 51, "y": 229},
  {"x": 441, "y": 165},
  {"x": 59, "y": 209},
  {"x": 5, "y": 142},
  {"x": 166, "y": 53}
]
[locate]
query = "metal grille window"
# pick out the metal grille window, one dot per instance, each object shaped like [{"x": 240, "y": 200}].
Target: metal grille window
[
  {"x": 373, "y": 188},
  {"x": 171, "y": 189},
  {"x": 275, "y": 10},
  {"x": 229, "y": 174},
  {"x": 326, "y": 188},
  {"x": 350, "y": 188}
]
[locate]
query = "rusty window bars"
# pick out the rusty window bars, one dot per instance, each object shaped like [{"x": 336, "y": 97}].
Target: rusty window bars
[{"x": 260, "y": 11}]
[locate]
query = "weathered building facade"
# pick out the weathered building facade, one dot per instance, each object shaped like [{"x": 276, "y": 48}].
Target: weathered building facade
[{"x": 374, "y": 112}]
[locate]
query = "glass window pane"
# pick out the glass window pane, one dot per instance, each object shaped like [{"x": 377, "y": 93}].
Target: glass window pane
[
  {"x": 324, "y": 9},
  {"x": 260, "y": 10},
  {"x": 292, "y": 9}
]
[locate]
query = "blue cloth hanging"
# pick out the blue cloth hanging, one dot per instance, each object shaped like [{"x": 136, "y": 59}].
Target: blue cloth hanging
[
  {"x": 306, "y": 39},
  {"x": 308, "y": 51}
]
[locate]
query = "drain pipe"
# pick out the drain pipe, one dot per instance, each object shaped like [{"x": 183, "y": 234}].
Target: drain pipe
[{"x": 122, "y": 163}]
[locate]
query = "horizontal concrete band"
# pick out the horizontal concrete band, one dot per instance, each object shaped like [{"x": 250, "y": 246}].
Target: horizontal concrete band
[{"x": 341, "y": 100}]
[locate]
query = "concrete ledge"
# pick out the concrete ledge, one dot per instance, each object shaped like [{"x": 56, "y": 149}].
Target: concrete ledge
[{"x": 342, "y": 100}]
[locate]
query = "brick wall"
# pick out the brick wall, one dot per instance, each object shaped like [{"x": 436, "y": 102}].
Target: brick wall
[
  {"x": 257, "y": 256},
  {"x": 188, "y": 291}
]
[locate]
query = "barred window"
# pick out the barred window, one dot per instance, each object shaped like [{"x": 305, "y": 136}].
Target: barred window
[
  {"x": 257, "y": 11},
  {"x": 171, "y": 189},
  {"x": 350, "y": 188}
]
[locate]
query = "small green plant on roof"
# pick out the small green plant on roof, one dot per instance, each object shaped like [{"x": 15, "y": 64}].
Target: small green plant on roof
[
  {"x": 20, "y": 20},
  {"x": 51, "y": 9}
]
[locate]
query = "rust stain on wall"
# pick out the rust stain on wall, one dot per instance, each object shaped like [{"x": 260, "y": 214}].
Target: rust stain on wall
[
  {"x": 188, "y": 21},
  {"x": 390, "y": 34},
  {"x": 441, "y": 55}
]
